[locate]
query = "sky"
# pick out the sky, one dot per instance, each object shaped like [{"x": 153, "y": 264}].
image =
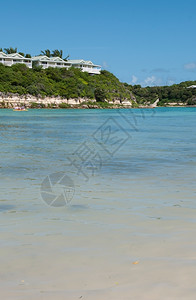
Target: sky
[{"x": 141, "y": 42}]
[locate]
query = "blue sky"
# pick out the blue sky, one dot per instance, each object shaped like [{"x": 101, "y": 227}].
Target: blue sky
[{"x": 141, "y": 42}]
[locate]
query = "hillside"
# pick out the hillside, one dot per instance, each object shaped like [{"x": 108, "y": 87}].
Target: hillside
[
  {"x": 177, "y": 93},
  {"x": 73, "y": 83},
  {"x": 67, "y": 84}
]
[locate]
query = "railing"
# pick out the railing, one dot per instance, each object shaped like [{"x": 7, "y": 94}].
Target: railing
[
  {"x": 45, "y": 66},
  {"x": 22, "y": 62},
  {"x": 62, "y": 66},
  {"x": 8, "y": 63}
]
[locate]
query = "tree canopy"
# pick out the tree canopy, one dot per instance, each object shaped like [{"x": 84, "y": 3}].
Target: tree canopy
[
  {"x": 10, "y": 50},
  {"x": 71, "y": 83},
  {"x": 176, "y": 93},
  {"x": 53, "y": 53}
]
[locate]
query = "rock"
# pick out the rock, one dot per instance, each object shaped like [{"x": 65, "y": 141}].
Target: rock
[
  {"x": 154, "y": 104},
  {"x": 11, "y": 100},
  {"x": 116, "y": 102},
  {"x": 172, "y": 103},
  {"x": 126, "y": 103}
]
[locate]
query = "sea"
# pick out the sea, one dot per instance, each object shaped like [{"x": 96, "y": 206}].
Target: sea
[{"x": 98, "y": 204}]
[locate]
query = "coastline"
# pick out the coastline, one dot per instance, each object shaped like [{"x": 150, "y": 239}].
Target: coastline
[
  {"x": 28, "y": 101},
  {"x": 9, "y": 101}
]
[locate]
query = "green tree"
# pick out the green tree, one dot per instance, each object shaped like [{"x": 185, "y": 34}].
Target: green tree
[
  {"x": 66, "y": 58},
  {"x": 100, "y": 95},
  {"x": 46, "y": 52},
  {"x": 10, "y": 50},
  {"x": 57, "y": 52},
  {"x": 192, "y": 101},
  {"x": 28, "y": 55}
]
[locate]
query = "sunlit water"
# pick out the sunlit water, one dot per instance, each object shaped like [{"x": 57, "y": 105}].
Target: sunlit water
[{"x": 133, "y": 173}]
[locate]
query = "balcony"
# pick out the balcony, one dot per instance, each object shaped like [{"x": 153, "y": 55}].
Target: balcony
[
  {"x": 8, "y": 62},
  {"x": 61, "y": 66},
  {"x": 28, "y": 64}
]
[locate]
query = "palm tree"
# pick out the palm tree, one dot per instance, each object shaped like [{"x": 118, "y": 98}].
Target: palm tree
[
  {"x": 66, "y": 58},
  {"x": 57, "y": 52},
  {"x": 54, "y": 53},
  {"x": 10, "y": 50},
  {"x": 46, "y": 52},
  {"x": 1, "y": 50}
]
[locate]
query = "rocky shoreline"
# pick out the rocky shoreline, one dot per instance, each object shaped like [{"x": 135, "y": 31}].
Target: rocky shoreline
[{"x": 28, "y": 101}]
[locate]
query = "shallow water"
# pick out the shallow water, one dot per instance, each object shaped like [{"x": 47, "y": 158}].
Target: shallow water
[{"x": 132, "y": 199}]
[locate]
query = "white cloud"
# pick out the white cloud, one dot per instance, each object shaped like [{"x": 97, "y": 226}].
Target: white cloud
[
  {"x": 152, "y": 80},
  {"x": 134, "y": 79},
  {"x": 170, "y": 80},
  {"x": 190, "y": 66}
]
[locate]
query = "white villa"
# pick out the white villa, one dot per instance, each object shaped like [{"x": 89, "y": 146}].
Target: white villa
[
  {"x": 57, "y": 62},
  {"x": 192, "y": 86},
  {"x": 46, "y": 62},
  {"x": 14, "y": 58},
  {"x": 85, "y": 66}
]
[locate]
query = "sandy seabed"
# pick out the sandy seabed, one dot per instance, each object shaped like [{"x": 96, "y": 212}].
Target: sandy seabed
[
  {"x": 122, "y": 250},
  {"x": 129, "y": 232}
]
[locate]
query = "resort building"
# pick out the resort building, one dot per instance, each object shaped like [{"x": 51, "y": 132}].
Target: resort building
[
  {"x": 57, "y": 62},
  {"x": 46, "y": 62},
  {"x": 14, "y": 58},
  {"x": 192, "y": 86},
  {"x": 85, "y": 66}
]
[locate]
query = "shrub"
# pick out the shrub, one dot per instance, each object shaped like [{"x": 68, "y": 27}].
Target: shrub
[
  {"x": 100, "y": 95},
  {"x": 64, "y": 105}
]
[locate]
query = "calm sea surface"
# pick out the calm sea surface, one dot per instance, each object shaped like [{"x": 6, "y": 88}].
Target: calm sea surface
[{"x": 129, "y": 229}]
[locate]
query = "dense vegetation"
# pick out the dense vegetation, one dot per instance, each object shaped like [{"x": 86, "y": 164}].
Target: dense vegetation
[
  {"x": 177, "y": 93},
  {"x": 72, "y": 83}
]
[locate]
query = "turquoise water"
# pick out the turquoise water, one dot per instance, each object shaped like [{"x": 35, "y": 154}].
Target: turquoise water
[
  {"x": 158, "y": 143},
  {"x": 134, "y": 175}
]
